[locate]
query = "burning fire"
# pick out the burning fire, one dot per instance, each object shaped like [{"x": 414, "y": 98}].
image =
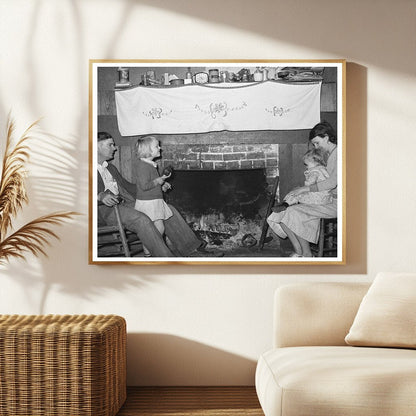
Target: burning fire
[{"x": 216, "y": 230}]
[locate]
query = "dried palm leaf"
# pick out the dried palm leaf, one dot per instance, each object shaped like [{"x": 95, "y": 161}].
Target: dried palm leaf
[
  {"x": 33, "y": 237},
  {"x": 12, "y": 183}
]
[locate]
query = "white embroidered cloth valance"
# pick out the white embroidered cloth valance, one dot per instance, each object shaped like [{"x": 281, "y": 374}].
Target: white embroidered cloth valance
[{"x": 202, "y": 108}]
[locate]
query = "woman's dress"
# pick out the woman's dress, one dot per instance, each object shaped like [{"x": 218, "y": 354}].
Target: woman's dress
[{"x": 303, "y": 219}]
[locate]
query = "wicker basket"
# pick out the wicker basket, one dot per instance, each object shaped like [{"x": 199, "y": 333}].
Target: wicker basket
[{"x": 71, "y": 365}]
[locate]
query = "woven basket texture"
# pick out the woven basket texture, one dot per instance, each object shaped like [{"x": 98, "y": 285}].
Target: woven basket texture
[{"x": 52, "y": 365}]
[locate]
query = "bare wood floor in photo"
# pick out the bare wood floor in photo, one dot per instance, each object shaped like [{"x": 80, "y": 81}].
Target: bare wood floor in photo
[{"x": 191, "y": 401}]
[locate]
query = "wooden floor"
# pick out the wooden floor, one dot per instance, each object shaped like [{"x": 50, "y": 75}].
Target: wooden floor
[{"x": 191, "y": 401}]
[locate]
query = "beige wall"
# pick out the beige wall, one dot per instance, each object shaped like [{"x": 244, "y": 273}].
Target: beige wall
[{"x": 202, "y": 324}]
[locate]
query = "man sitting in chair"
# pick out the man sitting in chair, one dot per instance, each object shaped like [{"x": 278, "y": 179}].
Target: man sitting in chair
[{"x": 111, "y": 186}]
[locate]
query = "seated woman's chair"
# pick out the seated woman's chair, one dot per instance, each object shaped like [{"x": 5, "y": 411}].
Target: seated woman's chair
[
  {"x": 116, "y": 241},
  {"x": 327, "y": 243}
]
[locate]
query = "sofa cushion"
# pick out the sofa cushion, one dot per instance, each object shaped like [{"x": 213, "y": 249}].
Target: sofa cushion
[
  {"x": 329, "y": 381},
  {"x": 317, "y": 314},
  {"x": 387, "y": 314}
]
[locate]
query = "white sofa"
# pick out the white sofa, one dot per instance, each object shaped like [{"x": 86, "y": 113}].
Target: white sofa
[{"x": 311, "y": 371}]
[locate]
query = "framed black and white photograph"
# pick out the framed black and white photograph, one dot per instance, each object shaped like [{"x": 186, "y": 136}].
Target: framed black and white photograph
[{"x": 217, "y": 162}]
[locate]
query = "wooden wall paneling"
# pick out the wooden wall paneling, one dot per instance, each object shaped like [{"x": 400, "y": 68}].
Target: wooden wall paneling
[
  {"x": 285, "y": 169},
  {"x": 106, "y": 103},
  {"x": 329, "y": 97},
  {"x": 331, "y": 118},
  {"x": 126, "y": 158},
  {"x": 330, "y": 74},
  {"x": 107, "y": 77},
  {"x": 299, "y": 149},
  {"x": 291, "y": 167},
  {"x": 109, "y": 124}
]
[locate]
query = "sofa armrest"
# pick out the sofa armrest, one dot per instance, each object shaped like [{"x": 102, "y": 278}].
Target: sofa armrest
[{"x": 308, "y": 314}]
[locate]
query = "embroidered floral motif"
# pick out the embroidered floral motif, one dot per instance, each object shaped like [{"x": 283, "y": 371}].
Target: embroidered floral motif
[
  {"x": 156, "y": 112},
  {"x": 277, "y": 111},
  {"x": 219, "y": 109}
]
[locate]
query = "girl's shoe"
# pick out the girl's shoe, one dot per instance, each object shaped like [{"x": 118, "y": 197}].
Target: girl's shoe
[{"x": 295, "y": 255}]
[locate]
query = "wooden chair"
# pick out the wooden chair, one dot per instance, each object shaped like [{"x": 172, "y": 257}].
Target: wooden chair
[
  {"x": 116, "y": 241},
  {"x": 272, "y": 201},
  {"x": 327, "y": 243}
]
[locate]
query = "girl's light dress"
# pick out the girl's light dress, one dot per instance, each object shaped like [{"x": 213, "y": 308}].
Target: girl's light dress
[{"x": 149, "y": 196}]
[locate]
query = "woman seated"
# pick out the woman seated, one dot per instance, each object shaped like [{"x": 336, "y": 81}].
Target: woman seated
[{"x": 300, "y": 222}]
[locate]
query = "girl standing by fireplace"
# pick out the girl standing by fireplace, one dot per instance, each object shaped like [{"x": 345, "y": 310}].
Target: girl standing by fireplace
[{"x": 149, "y": 184}]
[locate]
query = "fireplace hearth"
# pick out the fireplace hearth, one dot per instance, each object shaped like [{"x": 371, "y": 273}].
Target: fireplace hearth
[{"x": 225, "y": 208}]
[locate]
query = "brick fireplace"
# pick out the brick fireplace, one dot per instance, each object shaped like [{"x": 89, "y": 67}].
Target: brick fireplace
[
  {"x": 222, "y": 183},
  {"x": 223, "y": 157},
  {"x": 221, "y": 151}
]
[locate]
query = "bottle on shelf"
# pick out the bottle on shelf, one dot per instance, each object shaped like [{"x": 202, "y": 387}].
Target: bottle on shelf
[
  {"x": 188, "y": 76},
  {"x": 258, "y": 75}
]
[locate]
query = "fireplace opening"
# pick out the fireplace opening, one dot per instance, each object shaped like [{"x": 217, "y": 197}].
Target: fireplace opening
[{"x": 224, "y": 207}]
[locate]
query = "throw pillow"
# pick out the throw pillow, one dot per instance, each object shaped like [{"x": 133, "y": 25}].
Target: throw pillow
[{"x": 387, "y": 314}]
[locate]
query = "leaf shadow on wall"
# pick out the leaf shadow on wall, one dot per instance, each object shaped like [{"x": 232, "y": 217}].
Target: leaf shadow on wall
[
  {"x": 52, "y": 186},
  {"x": 57, "y": 162},
  {"x": 65, "y": 156},
  {"x": 311, "y": 25},
  {"x": 171, "y": 360}
]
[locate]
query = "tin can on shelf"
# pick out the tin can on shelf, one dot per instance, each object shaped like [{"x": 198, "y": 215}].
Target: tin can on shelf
[{"x": 213, "y": 75}]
